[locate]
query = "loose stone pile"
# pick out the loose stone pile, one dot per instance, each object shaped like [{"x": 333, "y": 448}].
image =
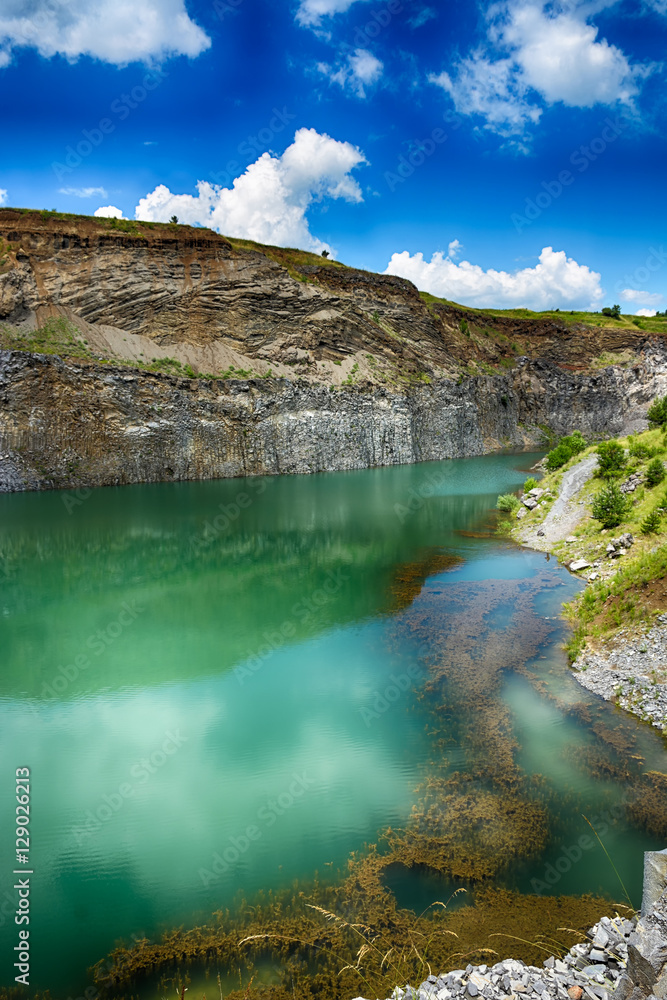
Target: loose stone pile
[
  {"x": 619, "y": 546},
  {"x": 532, "y": 498},
  {"x": 632, "y": 482},
  {"x": 634, "y": 675},
  {"x": 590, "y": 971},
  {"x": 616, "y": 548}
]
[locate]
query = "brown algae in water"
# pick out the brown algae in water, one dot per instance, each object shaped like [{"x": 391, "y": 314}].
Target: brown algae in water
[{"x": 468, "y": 824}]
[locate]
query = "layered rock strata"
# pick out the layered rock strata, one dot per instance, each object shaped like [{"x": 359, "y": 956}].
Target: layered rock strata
[{"x": 67, "y": 424}]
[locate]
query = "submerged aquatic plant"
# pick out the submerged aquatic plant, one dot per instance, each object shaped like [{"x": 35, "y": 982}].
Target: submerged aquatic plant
[{"x": 467, "y": 825}]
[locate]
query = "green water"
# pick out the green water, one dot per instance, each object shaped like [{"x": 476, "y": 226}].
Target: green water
[{"x": 216, "y": 687}]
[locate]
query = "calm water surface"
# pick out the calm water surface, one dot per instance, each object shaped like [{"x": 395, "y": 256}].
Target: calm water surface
[{"x": 221, "y": 687}]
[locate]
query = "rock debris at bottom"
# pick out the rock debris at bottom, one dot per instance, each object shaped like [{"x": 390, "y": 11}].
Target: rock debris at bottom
[
  {"x": 590, "y": 971},
  {"x": 633, "y": 675}
]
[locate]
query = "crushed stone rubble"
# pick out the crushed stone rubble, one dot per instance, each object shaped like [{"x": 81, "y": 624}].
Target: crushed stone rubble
[
  {"x": 589, "y": 971},
  {"x": 631, "y": 484},
  {"x": 615, "y": 548},
  {"x": 634, "y": 675}
]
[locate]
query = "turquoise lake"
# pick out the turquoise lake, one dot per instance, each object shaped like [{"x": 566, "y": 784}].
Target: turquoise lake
[{"x": 220, "y": 687}]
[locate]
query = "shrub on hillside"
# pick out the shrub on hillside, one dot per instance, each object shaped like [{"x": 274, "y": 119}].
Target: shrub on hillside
[
  {"x": 638, "y": 449},
  {"x": 611, "y": 458},
  {"x": 610, "y": 506},
  {"x": 566, "y": 448},
  {"x": 655, "y": 472},
  {"x": 507, "y": 502},
  {"x": 657, "y": 413},
  {"x": 651, "y": 523},
  {"x": 529, "y": 484}
]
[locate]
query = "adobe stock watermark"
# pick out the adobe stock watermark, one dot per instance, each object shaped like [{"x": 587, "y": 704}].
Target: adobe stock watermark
[
  {"x": 378, "y": 21},
  {"x": 301, "y": 611},
  {"x": 580, "y": 158},
  {"x": 253, "y": 146},
  {"x": 572, "y": 855},
  {"x": 416, "y": 495},
  {"x": 267, "y": 815},
  {"x": 656, "y": 259},
  {"x": 228, "y": 514},
  {"x": 97, "y": 643},
  {"x": 75, "y": 498},
  {"x": 141, "y": 772},
  {"x": 383, "y": 701},
  {"x": 121, "y": 108},
  {"x": 422, "y": 150},
  {"x": 222, "y": 9}
]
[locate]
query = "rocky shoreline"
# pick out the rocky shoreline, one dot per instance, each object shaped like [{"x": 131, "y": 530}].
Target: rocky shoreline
[
  {"x": 621, "y": 959},
  {"x": 632, "y": 675}
]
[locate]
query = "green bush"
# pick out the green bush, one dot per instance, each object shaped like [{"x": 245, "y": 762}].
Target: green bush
[
  {"x": 655, "y": 472},
  {"x": 508, "y": 502},
  {"x": 651, "y": 523},
  {"x": 558, "y": 456},
  {"x": 611, "y": 458},
  {"x": 610, "y": 506},
  {"x": 529, "y": 484},
  {"x": 566, "y": 448},
  {"x": 638, "y": 449},
  {"x": 657, "y": 413}
]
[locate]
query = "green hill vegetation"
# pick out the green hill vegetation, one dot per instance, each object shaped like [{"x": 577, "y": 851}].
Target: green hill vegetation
[{"x": 629, "y": 591}]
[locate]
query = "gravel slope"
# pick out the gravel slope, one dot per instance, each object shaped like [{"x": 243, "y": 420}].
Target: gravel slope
[{"x": 566, "y": 512}]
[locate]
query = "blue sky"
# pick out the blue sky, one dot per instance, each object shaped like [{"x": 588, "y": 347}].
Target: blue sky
[{"x": 508, "y": 153}]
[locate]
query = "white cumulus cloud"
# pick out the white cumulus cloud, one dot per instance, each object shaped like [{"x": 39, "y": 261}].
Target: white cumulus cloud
[
  {"x": 641, "y": 297},
  {"x": 646, "y": 312},
  {"x": 3, "y": 196},
  {"x": 90, "y": 192},
  {"x": 492, "y": 89},
  {"x": 534, "y": 57},
  {"x": 360, "y": 70},
  {"x": 557, "y": 281},
  {"x": 311, "y": 12},
  {"x": 108, "y": 212},
  {"x": 114, "y": 31},
  {"x": 562, "y": 59},
  {"x": 454, "y": 249},
  {"x": 268, "y": 203}
]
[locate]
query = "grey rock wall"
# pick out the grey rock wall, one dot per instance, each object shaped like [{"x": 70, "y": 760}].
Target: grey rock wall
[{"x": 68, "y": 424}]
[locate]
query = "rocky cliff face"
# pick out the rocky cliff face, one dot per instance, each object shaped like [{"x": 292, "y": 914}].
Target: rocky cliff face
[
  {"x": 69, "y": 424},
  {"x": 369, "y": 373}
]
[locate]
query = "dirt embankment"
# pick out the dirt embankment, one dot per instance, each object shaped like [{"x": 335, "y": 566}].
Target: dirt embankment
[{"x": 139, "y": 291}]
